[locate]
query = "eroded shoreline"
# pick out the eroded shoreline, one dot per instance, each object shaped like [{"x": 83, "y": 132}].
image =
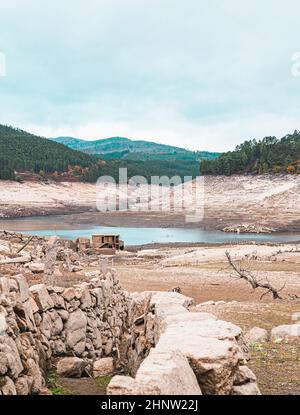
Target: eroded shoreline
[{"x": 260, "y": 201}]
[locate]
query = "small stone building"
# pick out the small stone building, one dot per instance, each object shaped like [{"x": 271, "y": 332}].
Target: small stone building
[{"x": 111, "y": 241}]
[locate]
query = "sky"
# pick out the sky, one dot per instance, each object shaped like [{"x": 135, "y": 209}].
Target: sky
[{"x": 196, "y": 74}]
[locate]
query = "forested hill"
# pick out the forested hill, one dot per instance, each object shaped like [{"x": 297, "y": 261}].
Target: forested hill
[
  {"x": 270, "y": 155},
  {"x": 21, "y": 151},
  {"x": 26, "y": 156}
]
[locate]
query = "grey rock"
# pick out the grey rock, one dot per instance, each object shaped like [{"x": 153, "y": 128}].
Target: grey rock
[
  {"x": 41, "y": 297},
  {"x": 76, "y": 331},
  {"x": 103, "y": 367},
  {"x": 36, "y": 267},
  {"x": 296, "y": 317},
  {"x": 244, "y": 375},
  {"x": 3, "y": 324},
  {"x": 249, "y": 388},
  {"x": 71, "y": 367},
  {"x": 257, "y": 335},
  {"x": 286, "y": 332},
  {"x": 23, "y": 289},
  {"x": 7, "y": 386}
]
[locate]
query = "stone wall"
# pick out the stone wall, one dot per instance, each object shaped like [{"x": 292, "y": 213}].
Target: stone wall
[
  {"x": 39, "y": 324},
  {"x": 175, "y": 351},
  {"x": 169, "y": 349}
]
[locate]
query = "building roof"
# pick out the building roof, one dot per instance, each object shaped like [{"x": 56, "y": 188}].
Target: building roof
[{"x": 106, "y": 234}]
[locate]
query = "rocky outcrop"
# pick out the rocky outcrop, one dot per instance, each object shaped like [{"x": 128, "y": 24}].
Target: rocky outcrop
[
  {"x": 201, "y": 348},
  {"x": 40, "y": 324},
  {"x": 247, "y": 228}
]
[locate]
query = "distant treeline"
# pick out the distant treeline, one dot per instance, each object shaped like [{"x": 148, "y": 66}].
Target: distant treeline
[
  {"x": 149, "y": 168},
  {"x": 270, "y": 155},
  {"x": 21, "y": 151}
]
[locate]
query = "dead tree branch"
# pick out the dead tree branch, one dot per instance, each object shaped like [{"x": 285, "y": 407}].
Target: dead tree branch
[
  {"x": 252, "y": 280},
  {"x": 24, "y": 246}
]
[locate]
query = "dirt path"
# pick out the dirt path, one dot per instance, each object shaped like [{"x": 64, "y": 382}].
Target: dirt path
[{"x": 82, "y": 386}]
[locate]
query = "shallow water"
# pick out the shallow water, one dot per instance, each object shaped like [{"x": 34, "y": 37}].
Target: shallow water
[{"x": 140, "y": 236}]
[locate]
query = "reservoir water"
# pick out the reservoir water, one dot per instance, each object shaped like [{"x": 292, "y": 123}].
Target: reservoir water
[{"x": 140, "y": 236}]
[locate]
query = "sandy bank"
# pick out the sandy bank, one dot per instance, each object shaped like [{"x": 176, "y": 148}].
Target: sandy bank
[{"x": 270, "y": 201}]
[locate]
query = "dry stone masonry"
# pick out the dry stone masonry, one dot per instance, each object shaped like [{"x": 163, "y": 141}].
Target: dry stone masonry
[
  {"x": 174, "y": 351},
  {"x": 40, "y": 324},
  {"x": 88, "y": 326}
]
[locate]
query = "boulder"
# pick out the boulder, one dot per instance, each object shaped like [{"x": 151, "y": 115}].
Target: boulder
[
  {"x": 10, "y": 361},
  {"x": 4, "y": 285},
  {"x": 76, "y": 331},
  {"x": 249, "y": 388},
  {"x": 69, "y": 294},
  {"x": 58, "y": 301},
  {"x": 257, "y": 335},
  {"x": 244, "y": 375},
  {"x": 33, "y": 305},
  {"x": 22, "y": 386},
  {"x": 45, "y": 391},
  {"x": 158, "y": 297},
  {"x": 122, "y": 385},
  {"x": 296, "y": 317},
  {"x": 36, "y": 267},
  {"x": 108, "y": 347},
  {"x": 23, "y": 289},
  {"x": 103, "y": 367},
  {"x": 97, "y": 293},
  {"x": 207, "y": 345},
  {"x": 51, "y": 324},
  {"x": 71, "y": 367},
  {"x": 286, "y": 332},
  {"x": 34, "y": 371},
  {"x": 7, "y": 386},
  {"x": 215, "y": 349},
  {"x": 206, "y": 303},
  {"x": 162, "y": 373},
  {"x": 64, "y": 314},
  {"x": 86, "y": 299},
  {"x": 41, "y": 297},
  {"x": 58, "y": 347},
  {"x": 25, "y": 316},
  {"x": 3, "y": 325}
]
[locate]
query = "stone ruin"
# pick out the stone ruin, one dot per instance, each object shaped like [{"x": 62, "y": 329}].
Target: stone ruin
[
  {"x": 167, "y": 348},
  {"x": 174, "y": 351},
  {"x": 40, "y": 324}
]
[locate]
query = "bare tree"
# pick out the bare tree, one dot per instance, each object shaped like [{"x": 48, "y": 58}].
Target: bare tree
[{"x": 246, "y": 275}]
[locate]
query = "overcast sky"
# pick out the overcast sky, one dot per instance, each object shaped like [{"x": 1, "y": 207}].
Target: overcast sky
[{"x": 198, "y": 74}]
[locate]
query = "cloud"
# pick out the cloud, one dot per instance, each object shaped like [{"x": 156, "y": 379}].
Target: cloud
[{"x": 202, "y": 75}]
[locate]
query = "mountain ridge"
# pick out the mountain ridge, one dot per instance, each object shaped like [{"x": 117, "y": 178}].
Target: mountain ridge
[
  {"x": 138, "y": 150},
  {"x": 25, "y": 156}
]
